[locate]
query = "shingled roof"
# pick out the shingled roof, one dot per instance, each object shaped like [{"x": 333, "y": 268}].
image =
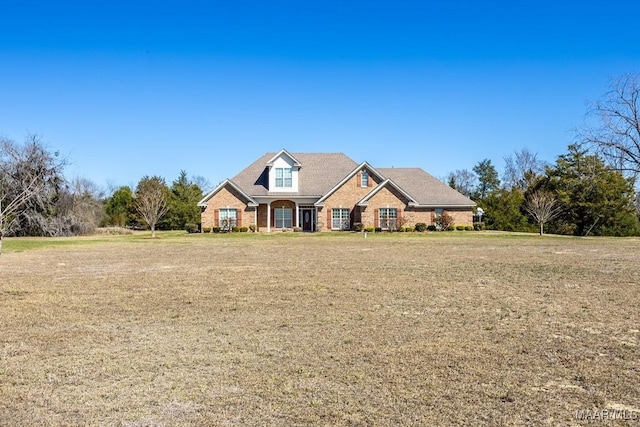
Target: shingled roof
[
  {"x": 318, "y": 174},
  {"x": 321, "y": 173},
  {"x": 425, "y": 188}
]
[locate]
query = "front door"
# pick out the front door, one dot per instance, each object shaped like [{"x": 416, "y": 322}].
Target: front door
[{"x": 307, "y": 219}]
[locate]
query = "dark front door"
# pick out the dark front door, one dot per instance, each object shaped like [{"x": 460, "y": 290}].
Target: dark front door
[{"x": 307, "y": 219}]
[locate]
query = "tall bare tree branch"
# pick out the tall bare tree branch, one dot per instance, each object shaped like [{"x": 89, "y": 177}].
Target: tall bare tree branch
[
  {"x": 543, "y": 207},
  {"x": 151, "y": 200},
  {"x": 617, "y": 135}
]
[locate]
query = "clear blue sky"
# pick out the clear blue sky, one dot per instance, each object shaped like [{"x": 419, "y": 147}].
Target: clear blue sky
[{"x": 132, "y": 88}]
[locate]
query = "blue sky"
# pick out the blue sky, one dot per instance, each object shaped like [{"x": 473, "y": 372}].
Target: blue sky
[{"x": 127, "y": 89}]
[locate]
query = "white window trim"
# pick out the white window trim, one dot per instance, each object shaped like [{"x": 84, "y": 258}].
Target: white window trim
[
  {"x": 227, "y": 221},
  {"x": 284, "y": 178},
  {"x": 364, "y": 179},
  {"x": 387, "y": 218},
  {"x": 344, "y": 221},
  {"x": 282, "y": 224}
]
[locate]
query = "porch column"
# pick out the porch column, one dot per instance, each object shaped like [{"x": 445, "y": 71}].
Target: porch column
[
  {"x": 255, "y": 217},
  {"x": 269, "y": 217},
  {"x": 297, "y": 215},
  {"x": 314, "y": 226}
]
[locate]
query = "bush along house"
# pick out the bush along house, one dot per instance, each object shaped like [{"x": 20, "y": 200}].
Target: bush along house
[{"x": 318, "y": 192}]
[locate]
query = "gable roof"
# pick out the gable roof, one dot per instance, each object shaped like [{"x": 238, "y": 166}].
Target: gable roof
[
  {"x": 361, "y": 166},
  {"x": 387, "y": 183},
  {"x": 220, "y": 186},
  {"x": 425, "y": 189},
  {"x": 321, "y": 174},
  {"x": 318, "y": 174},
  {"x": 286, "y": 153}
]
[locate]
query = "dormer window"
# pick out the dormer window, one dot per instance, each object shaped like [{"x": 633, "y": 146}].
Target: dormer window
[
  {"x": 284, "y": 178},
  {"x": 283, "y": 173}
]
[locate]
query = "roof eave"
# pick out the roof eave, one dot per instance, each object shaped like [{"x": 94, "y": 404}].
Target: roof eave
[
  {"x": 205, "y": 199},
  {"x": 443, "y": 205},
  {"x": 280, "y": 153}
]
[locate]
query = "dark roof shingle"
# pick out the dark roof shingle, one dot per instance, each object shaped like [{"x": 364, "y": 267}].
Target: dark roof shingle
[
  {"x": 425, "y": 188},
  {"x": 318, "y": 174}
]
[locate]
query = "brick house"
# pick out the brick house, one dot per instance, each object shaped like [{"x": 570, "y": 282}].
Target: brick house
[{"x": 328, "y": 192}]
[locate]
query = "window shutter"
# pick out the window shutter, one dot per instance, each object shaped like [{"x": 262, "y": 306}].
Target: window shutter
[
  {"x": 359, "y": 180},
  {"x": 216, "y": 218},
  {"x": 329, "y": 222},
  {"x": 273, "y": 217},
  {"x": 399, "y": 216},
  {"x": 370, "y": 183},
  {"x": 239, "y": 217},
  {"x": 375, "y": 218}
]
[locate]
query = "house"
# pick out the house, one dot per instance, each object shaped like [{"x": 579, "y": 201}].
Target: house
[{"x": 329, "y": 191}]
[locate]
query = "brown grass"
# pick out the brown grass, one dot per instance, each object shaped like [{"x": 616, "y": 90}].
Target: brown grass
[{"x": 437, "y": 329}]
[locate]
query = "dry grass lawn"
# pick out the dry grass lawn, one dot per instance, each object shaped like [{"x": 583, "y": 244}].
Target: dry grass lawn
[{"x": 296, "y": 329}]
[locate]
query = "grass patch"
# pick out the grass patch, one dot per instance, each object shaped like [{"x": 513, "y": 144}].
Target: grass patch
[{"x": 314, "y": 329}]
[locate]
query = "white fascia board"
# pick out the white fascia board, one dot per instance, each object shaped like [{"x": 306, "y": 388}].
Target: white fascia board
[
  {"x": 444, "y": 206},
  {"x": 351, "y": 174},
  {"x": 280, "y": 153},
  {"x": 212, "y": 193},
  {"x": 205, "y": 199},
  {"x": 365, "y": 199},
  {"x": 300, "y": 199}
]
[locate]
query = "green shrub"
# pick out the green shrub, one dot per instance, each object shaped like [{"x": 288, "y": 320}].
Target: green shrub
[
  {"x": 407, "y": 229},
  {"x": 215, "y": 229},
  {"x": 478, "y": 226},
  {"x": 431, "y": 227},
  {"x": 297, "y": 229},
  {"x": 468, "y": 227},
  {"x": 235, "y": 229},
  {"x": 378, "y": 229},
  {"x": 206, "y": 229},
  {"x": 369, "y": 229},
  {"x": 421, "y": 226},
  {"x": 460, "y": 227},
  {"x": 253, "y": 228},
  {"x": 357, "y": 226},
  {"x": 450, "y": 228},
  {"x": 192, "y": 227},
  {"x": 243, "y": 229}
]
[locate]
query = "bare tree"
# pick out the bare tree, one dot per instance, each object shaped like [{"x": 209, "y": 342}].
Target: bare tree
[
  {"x": 29, "y": 180},
  {"x": 444, "y": 221},
  {"x": 203, "y": 183},
  {"x": 9, "y": 207},
  {"x": 79, "y": 208},
  {"x": 23, "y": 166},
  {"x": 617, "y": 135},
  {"x": 543, "y": 207},
  {"x": 462, "y": 180},
  {"x": 522, "y": 169},
  {"x": 151, "y": 201}
]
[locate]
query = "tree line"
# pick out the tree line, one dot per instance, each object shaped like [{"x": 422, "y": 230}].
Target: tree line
[
  {"x": 589, "y": 190},
  {"x": 37, "y": 200}
]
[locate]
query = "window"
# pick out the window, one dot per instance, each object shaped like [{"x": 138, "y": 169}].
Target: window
[
  {"x": 388, "y": 218},
  {"x": 364, "y": 179},
  {"x": 340, "y": 219},
  {"x": 437, "y": 213},
  {"x": 284, "y": 178},
  {"x": 228, "y": 218},
  {"x": 283, "y": 218}
]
